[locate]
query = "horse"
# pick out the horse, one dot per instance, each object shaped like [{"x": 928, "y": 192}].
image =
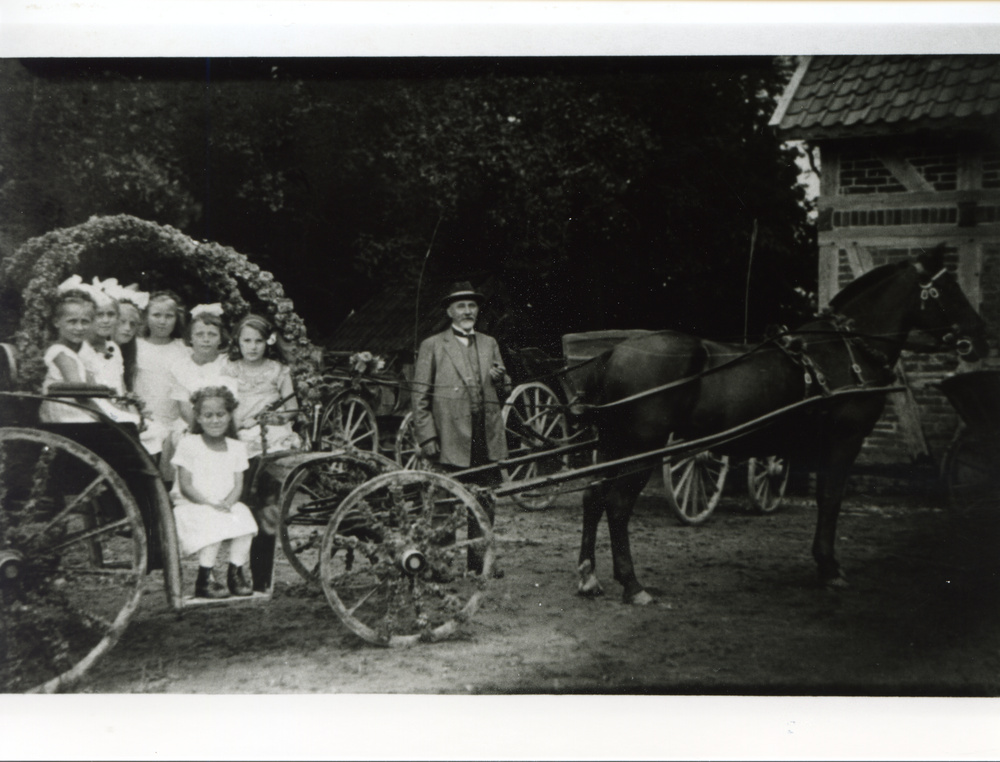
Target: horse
[{"x": 720, "y": 386}]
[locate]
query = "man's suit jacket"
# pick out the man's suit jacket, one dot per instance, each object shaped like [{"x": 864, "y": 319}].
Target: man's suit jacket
[{"x": 442, "y": 399}]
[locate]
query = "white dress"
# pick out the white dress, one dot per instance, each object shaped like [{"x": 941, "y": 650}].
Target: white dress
[
  {"x": 213, "y": 474},
  {"x": 152, "y": 383},
  {"x": 188, "y": 376},
  {"x": 55, "y": 412},
  {"x": 108, "y": 369}
]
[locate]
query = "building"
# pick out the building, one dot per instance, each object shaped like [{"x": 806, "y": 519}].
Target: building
[{"x": 909, "y": 154}]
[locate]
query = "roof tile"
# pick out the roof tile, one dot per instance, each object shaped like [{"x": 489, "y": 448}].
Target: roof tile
[{"x": 879, "y": 92}]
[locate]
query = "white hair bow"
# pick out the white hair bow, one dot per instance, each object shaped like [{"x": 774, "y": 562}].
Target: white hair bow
[
  {"x": 130, "y": 294},
  {"x": 73, "y": 283},
  {"x": 101, "y": 291},
  {"x": 207, "y": 309}
]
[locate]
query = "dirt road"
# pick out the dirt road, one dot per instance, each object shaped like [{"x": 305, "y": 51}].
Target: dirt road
[{"x": 737, "y": 611}]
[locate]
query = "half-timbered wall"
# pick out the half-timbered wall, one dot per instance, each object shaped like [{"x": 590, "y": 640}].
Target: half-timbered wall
[{"x": 885, "y": 199}]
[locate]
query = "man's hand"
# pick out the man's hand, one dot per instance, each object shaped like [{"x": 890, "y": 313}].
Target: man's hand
[
  {"x": 497, "y": 373},
  {"x": 430, "y": 449}
]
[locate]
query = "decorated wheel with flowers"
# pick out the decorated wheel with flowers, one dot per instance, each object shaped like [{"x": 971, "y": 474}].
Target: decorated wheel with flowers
[
  {"x": 395, "y": 556},
  {"x": 72, "y": 559},
  {"x": 311, "y": 492}
]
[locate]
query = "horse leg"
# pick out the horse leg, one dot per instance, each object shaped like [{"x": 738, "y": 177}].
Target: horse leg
[
  {"x": 593, "y": 507},
  {"x": 830, "y": 485},
  {"x": 621, "y": 500}
]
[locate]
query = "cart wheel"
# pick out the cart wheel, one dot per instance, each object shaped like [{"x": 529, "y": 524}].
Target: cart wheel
[
  {"x": 972, "y": 474},
  {"x": 309, "y": 497},
  {"x": 72, "y": 559},
  {"x": 693, "y": 485},
  {"x": 766, "y": 481},
  {"x": 407, "y": 449},
  {"x": 348, "y": 421},
  {"x": 535, "y": 421},
  {"x": 393, "y": 559}
]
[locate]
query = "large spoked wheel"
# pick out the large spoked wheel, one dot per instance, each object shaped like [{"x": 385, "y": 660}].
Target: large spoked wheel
[
  {"x": 534, "y": 421},
  {"x": 693, "y": 485},
  {"x": 394, "y": 558},
  {"x": 72, "y": 558},
  {"x": 972, "y": 473},
  {"x": 766, "y": 481},
  {"x": 309, "y": 498},
  {"x": 348, "y": 421},
  {"x": 407, "y": 449}
]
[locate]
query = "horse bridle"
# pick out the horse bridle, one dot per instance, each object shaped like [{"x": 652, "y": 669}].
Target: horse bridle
[{"x": 963, "y": 345}]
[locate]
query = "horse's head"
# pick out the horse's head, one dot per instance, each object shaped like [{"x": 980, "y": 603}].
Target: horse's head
[{"x": 944, "y": 310}]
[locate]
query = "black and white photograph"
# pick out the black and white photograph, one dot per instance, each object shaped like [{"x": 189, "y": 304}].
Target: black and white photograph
[{"x": 659, "y": 373}]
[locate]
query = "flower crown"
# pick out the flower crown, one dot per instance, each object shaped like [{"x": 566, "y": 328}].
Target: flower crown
[{"x": 130, "y": 293}]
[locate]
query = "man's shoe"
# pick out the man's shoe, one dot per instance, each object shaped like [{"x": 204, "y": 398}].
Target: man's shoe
[
  {"x": 237, "y": 582},
  {"x": 207, "y": 587}
]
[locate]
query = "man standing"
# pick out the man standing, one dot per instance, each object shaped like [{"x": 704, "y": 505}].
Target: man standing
[{"x": 456, "y": 409}]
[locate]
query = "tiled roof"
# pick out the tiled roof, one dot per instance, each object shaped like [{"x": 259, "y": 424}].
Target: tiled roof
[
  {"x": 846, "y": 96},
  {"x": 385, "y": 324}
]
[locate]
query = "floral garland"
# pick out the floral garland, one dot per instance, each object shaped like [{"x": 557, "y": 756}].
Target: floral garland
[{"x": 158, "y": 256}]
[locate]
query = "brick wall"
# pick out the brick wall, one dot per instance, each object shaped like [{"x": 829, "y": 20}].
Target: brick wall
[{"x": 862, "y": 172}]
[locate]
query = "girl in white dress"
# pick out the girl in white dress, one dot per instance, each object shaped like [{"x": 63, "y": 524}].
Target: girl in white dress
[
  {"x": 102, "y": 356},
  {"x": 72, "y": 318},
  {"x": 210, "y": 463},
  {"x": 207, "y": 336},
  {"x": 156, "y": 355}
]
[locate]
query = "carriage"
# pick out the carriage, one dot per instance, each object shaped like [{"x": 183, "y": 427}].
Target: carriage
[{"x": 84, "y": 518}]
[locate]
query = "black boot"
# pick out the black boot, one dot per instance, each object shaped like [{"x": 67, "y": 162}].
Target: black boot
[
  {"x": 237, "y": 584},
  {"x": 206, "y": 586},
  {"x": 262, "y": 561}
]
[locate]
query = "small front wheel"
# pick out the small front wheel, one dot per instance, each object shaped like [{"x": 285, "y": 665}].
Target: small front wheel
[
  {"x": 766, "y": 481},
  {"x": 393, "y": 563},
  {"x": 348, "y": 421},
  {"x": 693, "y": 485}
]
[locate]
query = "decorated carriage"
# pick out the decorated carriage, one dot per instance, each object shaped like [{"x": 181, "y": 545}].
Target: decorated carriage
[{"x": 84, "y": 516}]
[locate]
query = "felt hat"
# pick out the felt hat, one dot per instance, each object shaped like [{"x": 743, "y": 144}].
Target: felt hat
[{"x": 459, "y": 291}]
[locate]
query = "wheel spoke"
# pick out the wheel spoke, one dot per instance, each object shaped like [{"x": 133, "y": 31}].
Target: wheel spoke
[{"x": 365, "y": 597}]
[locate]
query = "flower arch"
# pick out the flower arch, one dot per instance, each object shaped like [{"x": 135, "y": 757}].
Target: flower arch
[{"x": 157, "y": 257}]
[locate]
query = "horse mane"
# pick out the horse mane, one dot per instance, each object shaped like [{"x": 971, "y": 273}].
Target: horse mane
[{"x": 863, "y": 283}]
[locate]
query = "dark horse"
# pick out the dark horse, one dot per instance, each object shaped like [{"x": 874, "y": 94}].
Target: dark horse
[{"x": 855, "y": 344}]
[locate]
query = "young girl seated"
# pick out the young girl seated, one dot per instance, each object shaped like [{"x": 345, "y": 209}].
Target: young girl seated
[
  {"x": 156, "y": 355},
  {"x": 262, "y": 384},
  {"x": 72, "y": 318},
  {"x": 210, "y": 465},
  {"x": 131, "y": 306},
  {"x": 205, "y": 334},
  {"x": 102, "y": 356}
]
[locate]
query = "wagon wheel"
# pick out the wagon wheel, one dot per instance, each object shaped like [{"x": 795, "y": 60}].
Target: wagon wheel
[
  {"x": 766, "y": 481},
  {"x": 534, "y": 421},
  {"x": 393, "y": 559},
  {"x": 972, "y": 473},
  {"x": 693, "y": 485},
  {"x": 72, "y": 559},
  {"x": 407, "y": 449},
  {"x": 348, "y": 421},
  {"x": 309, "y": 497}
]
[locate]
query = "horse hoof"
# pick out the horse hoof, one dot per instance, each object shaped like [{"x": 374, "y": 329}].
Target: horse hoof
[
  {"x": 590, "y": 587},
  {"x": 642, "y": 598}
]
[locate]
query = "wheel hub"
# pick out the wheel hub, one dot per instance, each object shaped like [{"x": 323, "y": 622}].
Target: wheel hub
[
  {"x": 411, "y": 561},
  {"x": 10, "y": 565}
]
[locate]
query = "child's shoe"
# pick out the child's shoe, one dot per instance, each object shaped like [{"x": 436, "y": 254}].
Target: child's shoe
[
  {"x": 237, "y": 582},
  {"x": 207, "y": 587}
]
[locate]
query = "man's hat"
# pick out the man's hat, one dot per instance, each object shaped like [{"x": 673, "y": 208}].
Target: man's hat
[{"x": 460, "y": 291}]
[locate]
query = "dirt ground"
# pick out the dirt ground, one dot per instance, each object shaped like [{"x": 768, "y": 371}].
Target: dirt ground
[{"x": 738, "y": 611}]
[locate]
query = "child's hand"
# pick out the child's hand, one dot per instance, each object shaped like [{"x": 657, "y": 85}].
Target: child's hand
[{"x": 220, "y": 506}]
